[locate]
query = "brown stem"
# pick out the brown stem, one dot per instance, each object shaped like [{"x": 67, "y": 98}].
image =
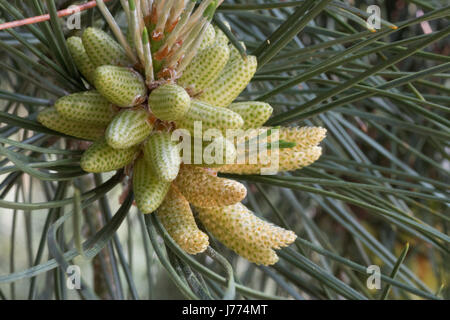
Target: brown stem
[{"x": 46, "y": 17}]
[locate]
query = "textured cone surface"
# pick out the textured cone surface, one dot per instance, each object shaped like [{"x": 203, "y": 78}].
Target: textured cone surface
[
  {"x": 81, "y": 58},
  {"x": 208, "y": 37},
  {"x": 227, "y": 151},
  {"x": 254, "y": 113},
  {"x": 169, "y": 102},
  {"x": 249, "y": 236},
  {"x": 216, "y": 152},
  {"x": 304, "y": 137},
  {"x": 162, "y": 155},
  {"x": 205, "y": 67},
  {"x": 231, "y": 82},
  {"x": 211, "y": 118},
  {"x": 128, "y": 128},
  {"x": 288, "y": 160},
  {"x": 52, "y": 120},
  {"x": 203, "y": 189},
  {"x": 122, "y": 86},
  {"x": 100, "y": 157},
  {"x": 88, "y": 107},
  {"x": 102, "y": 49},
  {"x": 149, "y": 190},
  {"x": 176, "y": 216}
]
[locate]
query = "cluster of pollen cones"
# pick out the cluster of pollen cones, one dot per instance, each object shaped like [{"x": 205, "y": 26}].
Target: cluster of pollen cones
[{"x": 174, "y": 71}]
